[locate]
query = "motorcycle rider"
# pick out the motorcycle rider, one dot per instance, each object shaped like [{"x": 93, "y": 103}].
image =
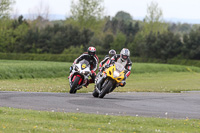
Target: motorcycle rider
[
  {"x": 93, "y": 60},
  {"x": 122, "y": 58},
  {"x": 111, "y": 53}
]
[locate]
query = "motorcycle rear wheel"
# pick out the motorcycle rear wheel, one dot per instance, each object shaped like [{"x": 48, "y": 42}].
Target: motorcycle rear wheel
[
  {"x": 74, "y": 85},
  {"x": 105, "y": 89}
]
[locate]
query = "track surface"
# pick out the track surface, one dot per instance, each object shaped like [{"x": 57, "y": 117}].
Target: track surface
[{"x": 170, "y": 105}]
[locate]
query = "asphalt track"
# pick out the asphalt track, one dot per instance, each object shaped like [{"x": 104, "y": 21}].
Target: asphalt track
[{"x": 164, "y": 105}]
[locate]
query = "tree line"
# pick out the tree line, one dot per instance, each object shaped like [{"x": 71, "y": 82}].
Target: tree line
[{"x": 152, "y": 37}]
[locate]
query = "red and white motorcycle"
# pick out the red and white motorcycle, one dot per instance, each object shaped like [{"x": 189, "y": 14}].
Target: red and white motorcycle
[{"x": 79, "y": 76}]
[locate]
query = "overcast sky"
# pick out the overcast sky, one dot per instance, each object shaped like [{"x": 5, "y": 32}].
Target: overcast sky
[{"x": 186, "y": 10}]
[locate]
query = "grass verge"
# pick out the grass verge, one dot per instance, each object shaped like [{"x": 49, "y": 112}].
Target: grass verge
[
  {"x": 145, "y": 82},
  {"x": 18, "y": 120},
  {"x": 12, "y": 69}
]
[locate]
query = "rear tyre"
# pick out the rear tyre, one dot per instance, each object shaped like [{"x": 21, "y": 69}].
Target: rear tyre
[
  {"x": 74, "y": 85},
  {"x": 105, "y": 89}
]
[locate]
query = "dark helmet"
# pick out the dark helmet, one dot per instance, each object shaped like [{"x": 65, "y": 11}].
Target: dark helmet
[
  {"x": 91, "y": 51},
  {"x": 124, "y": 54},
  {"x": 112, "y": 52}
]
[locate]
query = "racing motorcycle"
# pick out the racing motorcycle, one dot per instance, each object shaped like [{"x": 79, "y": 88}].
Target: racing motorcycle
[
  {"x": 108, "y": 80},
  {"x": 79, "y": 76}
]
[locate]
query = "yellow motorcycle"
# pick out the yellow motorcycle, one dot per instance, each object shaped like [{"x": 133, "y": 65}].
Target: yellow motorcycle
[{"x": 108, "y": 80}]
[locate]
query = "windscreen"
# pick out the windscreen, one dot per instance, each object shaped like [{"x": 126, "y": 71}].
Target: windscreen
[
  {"x": 119, "y": 67},
  {"x": 84, "y": 63}
]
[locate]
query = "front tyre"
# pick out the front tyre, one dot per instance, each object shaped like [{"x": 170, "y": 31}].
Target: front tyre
[
  {"x": 74, "y": 85},
  {"x": 95, "y": 93},
  {"x": 106, "y": 89}
]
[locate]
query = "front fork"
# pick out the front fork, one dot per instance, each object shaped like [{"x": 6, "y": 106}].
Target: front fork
[
  {"x": 99, "y": 84},
  {"x": 100, "y": 79}
]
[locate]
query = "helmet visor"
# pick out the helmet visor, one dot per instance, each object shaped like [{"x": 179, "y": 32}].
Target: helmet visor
[
  {"x": 124, "y": 57},
  {"x": 92, "y": 53}
]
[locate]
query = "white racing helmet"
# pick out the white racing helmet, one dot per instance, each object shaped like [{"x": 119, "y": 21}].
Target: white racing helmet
[{"x": 124, "y": 54}]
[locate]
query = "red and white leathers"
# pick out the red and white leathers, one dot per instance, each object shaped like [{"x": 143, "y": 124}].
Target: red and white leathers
[
  {"x": 126, "y": 63},
  {"x": 93, "y": 60}
]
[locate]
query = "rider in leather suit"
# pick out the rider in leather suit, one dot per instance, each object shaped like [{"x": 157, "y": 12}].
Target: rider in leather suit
[{"x": 92, "y": 58}]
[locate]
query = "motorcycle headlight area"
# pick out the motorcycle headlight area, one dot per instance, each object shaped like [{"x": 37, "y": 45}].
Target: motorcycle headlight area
[
  {"x": 85, "y": 72},
  {"x": 116, "y": 74}
]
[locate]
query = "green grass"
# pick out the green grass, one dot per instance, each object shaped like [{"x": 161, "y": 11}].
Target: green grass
[
  {"x": 163, "y": 82},
  {"x": 35, "y": 85},
  {"x": 12, "y": 69},
  {"x": 145, "y": 82},
  {"x": 156, "y": 68},
  {"x": 43, "y": 76},
  {"x": 18, "y": 120}
]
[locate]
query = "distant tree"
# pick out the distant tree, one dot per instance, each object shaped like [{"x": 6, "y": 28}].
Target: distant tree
[
  {"x": 137, "y": 46},
  {"x": 20, "y": 28},
  {"x": 86, "y": 36},
  {"x": 195, "y": 26},
  {"x": 131, "y": 30},
  {"x": 121, "y": 15},
  {"x": 119, "y": 42},
  {"x": 5, "y": 8},
  {"x": 168, "y": 45},
  {"x": 5, "y": 23},
  {"x": 179, "y": 28},
  {"x": 153, "y": 25},
  {"x": 87, "y": 13},
  {"x": 19, "y": 21},
  {"x": 18, "y": 35},
  {"x": 5, "y": 34},
  {"x": 173, "y": 27},
  {"x": 12, "y": 34},
  {"x": 151, "y": 47},
  {"x": 153, "y": 21},
  {"x": 185, "y": 28},
  {"x": 116, "y": 26},
  {"x": 163, "y": 46},
  {"x": 111, "y": 25},
  {"x": 55, "y": 39},
  {"x": 109, "y": 38},
  {"x": 31, "y": 40},
  {"x": 191, "y": 47}
]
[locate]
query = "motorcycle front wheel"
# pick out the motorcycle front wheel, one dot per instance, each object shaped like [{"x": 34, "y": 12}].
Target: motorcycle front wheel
[
  {"x": 106, "y": 89},
  {"x": 74, "y": 85},
  {"x": 95, "y": 93}
]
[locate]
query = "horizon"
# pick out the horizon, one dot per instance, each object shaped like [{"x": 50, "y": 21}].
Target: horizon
[{"x": 53, "y": 17}]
